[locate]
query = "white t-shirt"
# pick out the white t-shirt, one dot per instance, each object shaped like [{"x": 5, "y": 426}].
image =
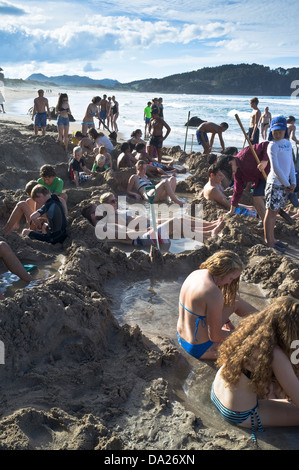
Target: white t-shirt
[
  {"x": 104, "y": 140},
  {"x": 282, "y": 169}
]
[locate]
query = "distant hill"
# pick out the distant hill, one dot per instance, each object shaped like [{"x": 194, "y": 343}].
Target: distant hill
[
  {"x": 242, "y": 79},
  {"x": 72, "y": 80}
]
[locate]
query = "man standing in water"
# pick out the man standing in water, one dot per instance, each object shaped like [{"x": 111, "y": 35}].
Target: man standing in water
[
  {"x": 156, "y": 125},
  {"x": 40, "y": 112},
  {"x": 253, "y": 131}
]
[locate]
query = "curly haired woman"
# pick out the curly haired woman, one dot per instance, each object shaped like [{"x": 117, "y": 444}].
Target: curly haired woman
[
  {"x": 259, "y": 354},
  {"x": 207, "y": 299}
]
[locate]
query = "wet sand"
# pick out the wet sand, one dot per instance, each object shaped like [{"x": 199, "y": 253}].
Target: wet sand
[{"x": 75, "y": 376}]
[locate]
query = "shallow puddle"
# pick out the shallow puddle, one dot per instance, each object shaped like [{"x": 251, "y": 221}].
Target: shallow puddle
[
  {"x": 10, "y": 283},
  {"x": 152, "y": 304}
]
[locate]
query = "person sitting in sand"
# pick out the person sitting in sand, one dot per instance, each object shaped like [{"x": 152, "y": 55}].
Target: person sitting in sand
[
  {"x": 157, "y": 138},
  {"x": 40, "y": 113},
  {"x": 55, "y": 230},
  {"x": 214, "y": 191},
  {"x": 52, "y": 182},
  {"x": 125, "y": 158},
  {"x": 206, "y": 128},
  {"x": 137, "y": 184},
  {"x": 23, "y": 209},
  {"x": 137, "y": 228},
  {"x": 208, "y": 297},
  {"x": 14, "y": 265},
  {"x": 136, "y": 139},
  {"x": 163, "y": 168},
  {"x": 257, "y": 381},
  {"x": 78, "y": 166},
  {"x": 100, "y": 140},
  {"x": 103, "y": 160},
  {"x": 86, "y": 144},
  {"x": 92, "y": 111},
  {"x": 63, "y": 111}
]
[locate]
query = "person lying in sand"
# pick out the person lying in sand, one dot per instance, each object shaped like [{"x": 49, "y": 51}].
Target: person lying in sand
[
  {"x": 165, "y": 166},
  {"x": 214, "y": 191},
  {"x": 258, "y": 355},
  {"x": 25, "y": 209},
  {"x": 137, "y": 228},
  {"x": 14, "y": 265},
  {"x": 163, "y": 190},
  {"x": 208, "y": 297}
]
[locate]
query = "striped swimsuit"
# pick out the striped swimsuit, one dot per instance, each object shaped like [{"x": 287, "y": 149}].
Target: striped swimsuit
[{"x": 237, "y": 417}]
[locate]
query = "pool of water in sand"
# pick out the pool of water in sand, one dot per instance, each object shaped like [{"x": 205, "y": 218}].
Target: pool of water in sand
[{"x": 152, "y": 304}]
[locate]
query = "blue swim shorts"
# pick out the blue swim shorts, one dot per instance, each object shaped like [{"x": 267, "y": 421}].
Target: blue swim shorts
[
  {"x": 40, "y": 119},
  {"x": 199, "y": 139},
  {"x": 63, "y": 121},
  {"x": 103, "y": 114},
  {"x": 259, "y": 189}
]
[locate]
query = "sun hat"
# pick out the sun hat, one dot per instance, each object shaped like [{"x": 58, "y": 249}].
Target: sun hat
[{"x": 278, "y": 123}]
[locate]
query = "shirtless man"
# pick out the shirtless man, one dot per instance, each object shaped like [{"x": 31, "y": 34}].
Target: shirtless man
[
  {"x": 292, "y": 129},
  {"x": 264, "y": 122},
  {"x": 156, "y": 126},
  {"x": 40, "y": 112},
  {"x": 103, "y": 111},
  {"x": 253, "y": 131},
  {"x": 210, "y": 128}
]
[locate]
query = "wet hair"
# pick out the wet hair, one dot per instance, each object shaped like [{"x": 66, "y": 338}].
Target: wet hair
[
  {"x": 252, "y": 343},
  {"x": 213, "y": 169},
  {"x": 254, "y": 100},
  {"x": 29, "y": 186},
  {"x": 291, "y": 119},
  {"x": 96, "y": 99},
  {"x": 140, "y": 146},
  {"x": 125, "y": 146},
  {"x": 39, "y": 189},
  {"x": 223, "y": 165},
  {"x": 137, "y": 131},
  {"x": 140, "y": 163},
  {"x": 230, "y": 151},
  {"x": 220, "y": 264},
  {"x": 47, "y": 171},
  {"x": 224, "y": 124}
]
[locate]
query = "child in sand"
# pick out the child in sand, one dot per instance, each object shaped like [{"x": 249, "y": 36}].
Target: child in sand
[
  {"x": 77, "y": 164},
  {"x": 257, "y": 354},
  {"x": 49, "y": 179},
  {"x": 55, "y": 229},
  {"x": 281, "y": 180}
]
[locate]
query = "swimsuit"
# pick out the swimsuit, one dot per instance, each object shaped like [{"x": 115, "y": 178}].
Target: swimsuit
[
  {"x": 40, "y": 119},
  {"x": 63, "y": 121},
  {"x": 237, "y": 417},
  {"x": 143, "y": 182},
  {"x": 195, "y": 350},
  {"x": 156, "y": 141},
  {"x": 199, "y": 137}
]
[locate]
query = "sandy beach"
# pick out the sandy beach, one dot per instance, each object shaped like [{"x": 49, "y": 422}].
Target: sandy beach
[{"x": 76, "y": 378}]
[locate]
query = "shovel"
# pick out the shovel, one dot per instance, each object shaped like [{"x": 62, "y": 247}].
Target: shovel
[
  {"x": 283, "y": 214},
  {"x": 152, "y": 206}
]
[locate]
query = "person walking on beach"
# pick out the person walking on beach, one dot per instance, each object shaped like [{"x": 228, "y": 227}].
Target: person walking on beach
[
  {"x": 147, "y": 117},
  {"x": 103, "y": 111},
  {"x": 281, "y": 180},
  {"x": 40, "y": 112},
  {"x": 210, "y": 128},
  {"x": 63, "y": 111},
  {"x": 264, "y": 122},
  {"x": 157, "y": 138},
  {"x": 253, "y": 131},
  {"x": 208, "y": 297},
  {"x": 257, "y": 381}
]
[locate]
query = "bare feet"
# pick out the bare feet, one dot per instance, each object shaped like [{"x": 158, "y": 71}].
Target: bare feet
[{"x": 218, "y": 229}]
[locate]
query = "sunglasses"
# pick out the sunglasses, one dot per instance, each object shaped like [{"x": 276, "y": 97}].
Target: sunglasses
[{"x": 112, "y": 201}]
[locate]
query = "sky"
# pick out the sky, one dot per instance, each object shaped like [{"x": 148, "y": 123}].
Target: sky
[{"x": 128, "y": 40}]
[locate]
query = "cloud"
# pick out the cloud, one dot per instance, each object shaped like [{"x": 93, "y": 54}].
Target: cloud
[
  {"x": 9, "y": 9},
  {"x": 89, "y": 67}
]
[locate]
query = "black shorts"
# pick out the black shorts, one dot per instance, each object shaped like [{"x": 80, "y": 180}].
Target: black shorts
[{"x": 57, "y": 237}]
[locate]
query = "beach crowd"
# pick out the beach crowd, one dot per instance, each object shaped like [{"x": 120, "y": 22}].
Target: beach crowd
[{"x": 257, "y": 383}]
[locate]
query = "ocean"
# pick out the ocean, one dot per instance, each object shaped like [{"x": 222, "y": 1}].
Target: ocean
[{"x": 215, "y": 108}]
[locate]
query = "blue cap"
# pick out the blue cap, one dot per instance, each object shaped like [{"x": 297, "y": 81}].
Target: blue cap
[{"x": 278, "y": 123}]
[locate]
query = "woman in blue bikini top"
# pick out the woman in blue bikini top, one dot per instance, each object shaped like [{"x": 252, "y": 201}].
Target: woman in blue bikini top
[{"x": 207, "y": 298}]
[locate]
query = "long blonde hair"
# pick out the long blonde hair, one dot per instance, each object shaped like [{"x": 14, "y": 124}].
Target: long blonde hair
[
  {"x": 252, "y": 343},
  {"x": 220, "y": 264}
]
